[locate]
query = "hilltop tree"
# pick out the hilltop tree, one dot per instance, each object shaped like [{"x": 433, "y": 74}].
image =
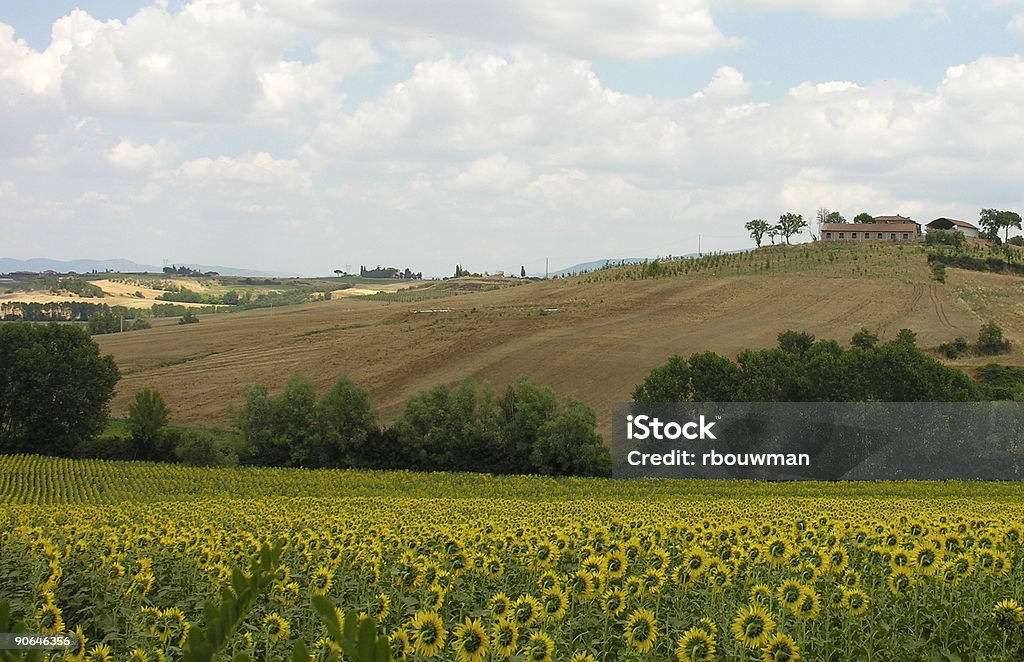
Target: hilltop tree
[
  {"x": 863, "y": 217},
  {"x": 522, "y": 271},
  {"x": 54, "y": 388},
  {"x": 791, "y": 224},
  {"x": 757, "y": 228},
  {"x": 835, "y": 217},
  {"x": 993, "y": 219}
]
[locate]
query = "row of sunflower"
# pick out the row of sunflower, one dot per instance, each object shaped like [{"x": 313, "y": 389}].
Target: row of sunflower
[{"x": 668, "y": 576}]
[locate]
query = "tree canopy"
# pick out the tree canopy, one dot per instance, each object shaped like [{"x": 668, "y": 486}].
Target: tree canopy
[{"x": 54, "y": 388}]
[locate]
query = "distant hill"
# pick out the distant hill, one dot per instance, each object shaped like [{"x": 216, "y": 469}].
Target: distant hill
[{"x": 8, "y": 265}]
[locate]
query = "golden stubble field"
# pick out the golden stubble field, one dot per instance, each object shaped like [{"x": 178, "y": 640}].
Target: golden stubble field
[{"x": 591, "y": 340}]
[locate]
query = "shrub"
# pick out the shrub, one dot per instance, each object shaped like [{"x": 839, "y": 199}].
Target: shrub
[
  {"x": 991, "y": 341},
  {"x": 147, "y": 417},
  {"x": 189, "y": 317},
  {"x": 204, "y": 447},
  {"x": 954, "y": 349}
]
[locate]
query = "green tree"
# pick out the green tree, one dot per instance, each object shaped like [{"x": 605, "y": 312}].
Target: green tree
[
  {"x": 757, "y": 228},
  {"x": 348, "y": 426},
  {"x": 103, "y": 322},
  {"x": 525, "y": 408},
  {"x": 147, "y": 417},
  {"x": 666, "y": 383},
  {"x": 795, "y": 342},
  {"x": 54, "y": 388},
  {"x": 864, "y": 339},
  {"x": 992, "y": 220},
  {"x": 713, "y": 378},
  {"x": 189, "y": 317},
  {"x": 567, "y": 444},
  {"x": 835, "y": 217},
  {"x": 281, "y": 430},
  {"x": 791, "y": 224},
  {"x": 863, "y": 217}
]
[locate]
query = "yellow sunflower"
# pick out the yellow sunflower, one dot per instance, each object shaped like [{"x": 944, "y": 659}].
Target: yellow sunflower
[
  {"x": 641, "y": 630},
  {"x": 752, "y": 626},
  {"x": 695, "y": 645},
  {"x": 469, "y": 639},
  {"x": 428, "y": 633},
  {"x": 780, "y": 648},
  {"x": 539, "y": 648}
]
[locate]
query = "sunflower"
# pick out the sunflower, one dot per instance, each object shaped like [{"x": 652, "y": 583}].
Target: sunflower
[
  {"x": 780, "y": 648},
  {"x": 855, "y": 601},
  {"x": 900, "y": 581},
  {"x": 789, "y": 593},
  {"x": 504, "y": 635},
  {"x": 428, "y": 633},
  {"x": 641, "y": 630},
  {"x": 554, "y": 603},
  {"x": 708, "y": 625},
  {"x": 613, "y": 602},
  {"x": 499, "y": 605},
  {"x": 77, "y": 653},
  {"x": 1008, "y": 615},
  {"x": 98, "y": 653},
  {"x": 379, "y": 607},
  {"x": 320, "y": 581},
  {"x": 616, "y": 564},
  {"x": 434, "y": 599},
  {"x": 926, "y": 558},
  {"x": 761, "y": 595},
  {"x": 582, "y": 656},
  {"x": 493, "y": 567},
  {"x": 695, "y": 645},
  {"x": 277, "y": 628},
  {"x": 539, "y": 648},
  {"x": 525, "y": 610},
  {"x": 584, "y": 585},
  {"x": 653, "y": 579},
  {"x": 752, "y": 626},
  {"x": 469, "y": 639},
  {"x": 399, "y": 644},
  {"x": 138, "y": 655},
  {"x": 809, "y": 605},
  {"x": 50, "y": 618},
  {"x": 548, "y": 579}
]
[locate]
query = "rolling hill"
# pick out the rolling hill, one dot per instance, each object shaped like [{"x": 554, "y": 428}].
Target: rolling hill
[{"x": 593, "y": 337}]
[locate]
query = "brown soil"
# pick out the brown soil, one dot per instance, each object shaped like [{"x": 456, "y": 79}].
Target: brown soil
[{"x": 593, "y": 341}]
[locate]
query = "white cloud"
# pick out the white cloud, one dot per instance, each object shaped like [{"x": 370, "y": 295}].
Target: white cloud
[
  {"x": 583, "y": 28},
  {"x": 1016, "y": 26},
  {"x": 133, "y": 157},
  {"x": 726, "y": 83},
  {"x": 843, "y": 9}
]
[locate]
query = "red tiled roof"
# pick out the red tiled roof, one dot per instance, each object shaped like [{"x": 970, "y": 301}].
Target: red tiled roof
[{"x": 870, "y": 227}]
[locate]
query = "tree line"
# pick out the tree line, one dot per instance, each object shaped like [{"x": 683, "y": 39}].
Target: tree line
[
  {"x": 55, "y": 390},
  {"x": 803, "y": 369}
]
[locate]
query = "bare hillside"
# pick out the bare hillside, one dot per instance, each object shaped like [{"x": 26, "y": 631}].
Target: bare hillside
[{"x": 593, "y": 337}]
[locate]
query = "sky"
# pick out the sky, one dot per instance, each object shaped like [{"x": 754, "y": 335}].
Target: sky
[{"x": 304, "y": 136}]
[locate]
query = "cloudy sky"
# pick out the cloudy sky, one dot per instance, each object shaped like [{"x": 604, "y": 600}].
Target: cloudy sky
[{"x": 308, "y": 135}]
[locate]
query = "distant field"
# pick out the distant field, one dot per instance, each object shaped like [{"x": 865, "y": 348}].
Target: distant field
[{"x": 593, "y": 336}]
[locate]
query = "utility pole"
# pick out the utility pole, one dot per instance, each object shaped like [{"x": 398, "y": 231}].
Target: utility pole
[
  {"x": 698, "y": 246},
  {"x": 546, "y": 268}
]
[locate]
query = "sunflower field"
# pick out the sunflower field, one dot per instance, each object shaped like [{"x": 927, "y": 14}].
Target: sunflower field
[{"x": 477, "y": 568}]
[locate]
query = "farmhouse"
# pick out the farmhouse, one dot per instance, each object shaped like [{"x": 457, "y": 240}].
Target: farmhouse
[
  {"x": 884, "y": 228},
  {"x": 952, "y": 224}
]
